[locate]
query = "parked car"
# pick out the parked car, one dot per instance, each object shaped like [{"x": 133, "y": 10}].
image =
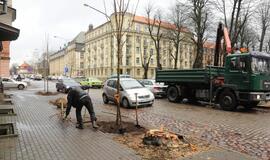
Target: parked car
[
  {"x": 65, "y": 84},
  {"x": 79, "y": 78},
  {"x": 158, "y": 89},
  {"x": 92, "y": 82},
  {"x": 38, "y": 77},
  {"x": 11, "y": 83},
  {"x": 121, "y": 76},
  {"x": 128, "y": 88}
]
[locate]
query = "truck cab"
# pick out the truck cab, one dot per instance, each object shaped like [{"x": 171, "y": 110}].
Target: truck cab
[{"x": 248, "y": 74}]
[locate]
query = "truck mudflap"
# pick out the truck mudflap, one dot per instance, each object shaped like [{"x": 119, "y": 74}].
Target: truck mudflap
[{"x": 259, "y": 96}]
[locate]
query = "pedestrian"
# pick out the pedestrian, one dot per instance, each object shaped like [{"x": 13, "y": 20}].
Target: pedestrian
[
  {"x": 78, "y": 98},
  {"x": 19, "y": 78}
]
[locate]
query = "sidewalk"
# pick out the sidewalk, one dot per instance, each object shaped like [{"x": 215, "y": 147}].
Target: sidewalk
[{"x": 43, "y": 136}]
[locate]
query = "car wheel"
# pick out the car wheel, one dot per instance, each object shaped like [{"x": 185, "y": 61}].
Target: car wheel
[
  {"x": 227, "y": 101},
  {"x": 125, "y": 103},
  {"x": 20, "y": 87},
  {"x": 105, "y": 99}
]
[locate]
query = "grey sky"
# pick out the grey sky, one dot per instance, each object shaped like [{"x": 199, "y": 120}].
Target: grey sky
[{"x": 62, "y": 18}]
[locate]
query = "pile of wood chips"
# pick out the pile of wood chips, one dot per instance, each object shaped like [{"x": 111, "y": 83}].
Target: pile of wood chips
[
  {"x": 160, "y": 137},
  {"x": 59, "y": 101}
]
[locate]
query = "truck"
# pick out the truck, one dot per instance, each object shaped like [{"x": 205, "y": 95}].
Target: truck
[{"x": 243, "y": 80}]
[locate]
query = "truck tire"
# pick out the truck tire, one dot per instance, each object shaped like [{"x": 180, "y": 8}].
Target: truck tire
[
  {"x": 227, "y": 100},
  {"x": 173, "y": 94}
]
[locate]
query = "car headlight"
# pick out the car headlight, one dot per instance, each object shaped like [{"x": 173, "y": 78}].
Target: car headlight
[
  {"x": 67, "y": 86},
  {"x": 132, "y": 97},
  {"x": 258, "y": 96}
]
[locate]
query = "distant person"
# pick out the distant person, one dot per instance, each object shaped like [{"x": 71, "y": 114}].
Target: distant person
[
  {"x": 19, "y": 78},
  {"x": 78, "y": 98}
]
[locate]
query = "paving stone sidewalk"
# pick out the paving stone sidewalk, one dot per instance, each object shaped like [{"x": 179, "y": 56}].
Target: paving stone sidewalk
[{"x": 42, "y": 136}]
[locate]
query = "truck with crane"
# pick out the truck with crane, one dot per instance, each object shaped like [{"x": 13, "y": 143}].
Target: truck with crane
[{"x": 243, "y": 80}]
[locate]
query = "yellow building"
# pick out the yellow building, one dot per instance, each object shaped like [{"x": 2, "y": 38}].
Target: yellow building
[
  {"x": 101, "y": 56},
  {"x": 69, "y": 61}
]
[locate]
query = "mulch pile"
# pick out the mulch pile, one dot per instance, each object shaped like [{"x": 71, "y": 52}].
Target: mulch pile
[{"x": 153, "y": 144}]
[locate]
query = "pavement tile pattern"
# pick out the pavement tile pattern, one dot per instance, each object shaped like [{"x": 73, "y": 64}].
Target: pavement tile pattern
[{"x": 43, "y": 136}]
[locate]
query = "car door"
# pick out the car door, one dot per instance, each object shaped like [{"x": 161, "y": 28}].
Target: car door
[
  {"x": 111, "y": 89},
  {"x": 13, "y": 83},
  {"x": 7, "y": 83}
]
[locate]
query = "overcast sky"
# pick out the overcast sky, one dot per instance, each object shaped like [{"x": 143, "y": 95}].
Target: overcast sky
[{"x": 61, "y": 18}]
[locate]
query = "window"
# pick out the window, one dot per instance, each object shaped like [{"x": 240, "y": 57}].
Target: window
[
  {"x": 138, "y": 60},
  {"x": 151, "y": 51},
  {"x": 164, "y": 62},
  {"x": 152, "y": 60},
  {"x": 138, "y": 50},
  {"x": 138, "y": 28},
  {"x": 138, "y": 72},
  {"x": 128, "y": 71},
  {"x": 144, "y": 51},
  {"x": 138, "y": 39},
  {"x": 127, "y": 61},
  {"x": 152, "y": 72},
  {"x": 81, "y": 65},
  {"x": 111, "y": 83},
  {"x": 234, "y": 64},
  {"x": 82, "y": 55}
]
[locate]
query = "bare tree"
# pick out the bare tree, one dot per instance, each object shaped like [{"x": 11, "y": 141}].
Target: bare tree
[
  {"x": 154, "y": 21},
  {"x": 121, "y": 23},
  {"x": 178, "y": 16},
  {"x": 239, "y": 13},
  {"x": 247, "y": 36},
  {"x": 263, "y": 17},
  {"x": 199, "y": 18},
  {"x": 145, "y": 58}
]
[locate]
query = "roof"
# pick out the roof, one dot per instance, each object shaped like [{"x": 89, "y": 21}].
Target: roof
[
  {"x": 80, "y": 38},
  {"x": 8, "y": 33},
  {"x": 164, "y": 24},
  {"x": 209, "y": 45}
]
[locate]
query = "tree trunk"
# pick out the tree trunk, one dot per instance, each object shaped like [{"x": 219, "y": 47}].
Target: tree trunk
[
  {"x": 145, "y": 75},
  {"x": 176, "y": 56},
  {"x": 199, "y": 58},
  {"x": 262, "y": 39}
]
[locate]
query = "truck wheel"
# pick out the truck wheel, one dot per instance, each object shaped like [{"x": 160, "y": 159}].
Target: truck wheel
[
  {"x": 173, "y": 94},
  {"x": 227, "y": 101}
]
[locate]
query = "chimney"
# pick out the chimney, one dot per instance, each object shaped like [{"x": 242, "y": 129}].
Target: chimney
[{"x": 90, "y": 27}]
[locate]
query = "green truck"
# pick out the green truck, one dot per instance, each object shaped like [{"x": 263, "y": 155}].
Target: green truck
[{"x": 244, "y": 80}]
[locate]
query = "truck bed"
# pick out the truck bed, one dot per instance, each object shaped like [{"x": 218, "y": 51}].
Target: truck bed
[{"x": 198, "y": 76}]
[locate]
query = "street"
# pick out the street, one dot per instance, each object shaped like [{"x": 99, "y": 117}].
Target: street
[{"x": 247, "y": 132}]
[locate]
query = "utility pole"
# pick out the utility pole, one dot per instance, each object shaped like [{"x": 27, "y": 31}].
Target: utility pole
[{"x": 47, "y": 68}]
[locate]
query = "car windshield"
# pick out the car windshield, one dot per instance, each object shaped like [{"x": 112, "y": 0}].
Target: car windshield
[
  {"x": 260, "y": 65},
  {"x": 130, "y": 84}
]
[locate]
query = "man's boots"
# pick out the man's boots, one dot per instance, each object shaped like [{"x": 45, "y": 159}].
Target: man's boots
[
  {"x": 79, "y": 126},
  {"x": 94, "y": 124}
]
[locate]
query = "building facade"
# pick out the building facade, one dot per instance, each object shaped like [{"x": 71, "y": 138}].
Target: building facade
[
  {"x": 101, "y": 56},
  {"x": 7, "y": 33},
  {"x": 69, "y": 61}
]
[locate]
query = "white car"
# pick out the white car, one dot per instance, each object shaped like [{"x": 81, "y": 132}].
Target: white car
[
  {"x": 158, "y": 89},
  {"x": 129, "y": 87},
  {"x": 11, "y": 83}
]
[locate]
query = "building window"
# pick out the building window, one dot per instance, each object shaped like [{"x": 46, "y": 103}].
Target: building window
[
  {"x": 81, "y": 65},
  {"x": 145, "y": 28},
  {"x": 152, "y": 72},
  {"x": 164, "y": 62},
  {"x": 138, "y": 60},
  {"x": 152, "y": 61},
  {"x": 185, "y": 63},
  {"x": 138, "y": 72},
  {"x": 82, "y": 55},
  {"x": 128, "y": 71},
  {"x": 138, "y": 39},
  {"x": 138, "y": 28},
  {"x": 138, "y": 50},
  {"x": 144, "y": 51},
  {"x": 151, "y": 51},
  {"x": 127, "y": 61}
]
